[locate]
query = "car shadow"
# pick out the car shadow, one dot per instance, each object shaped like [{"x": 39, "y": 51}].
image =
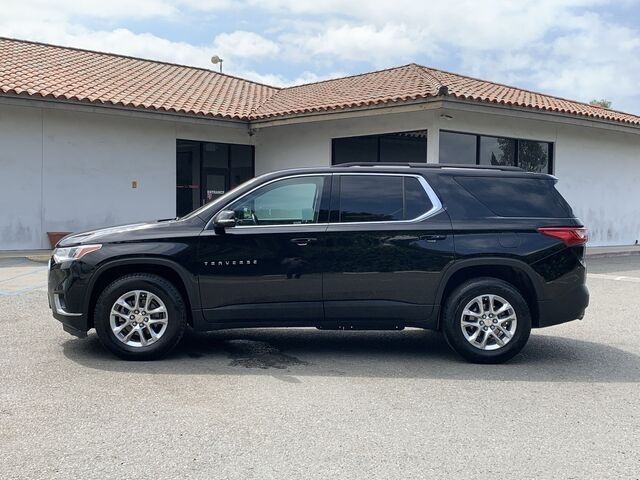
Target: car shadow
[{"x": 292, "y": 354}]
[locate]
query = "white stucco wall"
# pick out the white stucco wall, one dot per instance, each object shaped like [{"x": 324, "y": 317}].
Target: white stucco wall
[
  {"x": 68, "y": 170},
  {"x": 309, "y": 144},
  {"x": 20, "y": 178},
  {"x": 598, "y": 169},
  {"x": 599, "y": 173}
]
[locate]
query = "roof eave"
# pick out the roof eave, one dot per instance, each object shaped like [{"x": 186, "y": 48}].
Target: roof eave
[
  {"x": 119, "y": 109},
  {"x": 538, "y": 114},
  {"x": 450, "y": 102}
]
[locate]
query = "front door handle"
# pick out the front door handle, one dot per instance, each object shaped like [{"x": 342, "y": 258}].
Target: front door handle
[
  {"x": 303, "y": 242},
  {"x": 432, "y": 238}
]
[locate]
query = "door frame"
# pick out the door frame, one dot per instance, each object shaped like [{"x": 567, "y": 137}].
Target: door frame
[{"x": 202, "y": 194}]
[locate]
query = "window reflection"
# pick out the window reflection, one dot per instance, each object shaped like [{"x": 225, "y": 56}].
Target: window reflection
[
  {"x": 497, "y": 151},
  {"x": 533, "y": 156},
  {"x": 457, "y": 148},
  {"x": 471, "y": 149},
  {"x": 401, "y": 147}
]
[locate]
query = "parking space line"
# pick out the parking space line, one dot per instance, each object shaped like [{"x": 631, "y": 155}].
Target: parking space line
[
  {"x": 35, "y": 270},
  {"x": 21, "y": 291},
  {"x": 619, "y": 278}
]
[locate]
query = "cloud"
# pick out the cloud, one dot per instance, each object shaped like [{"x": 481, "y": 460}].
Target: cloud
[
  {"x": 242, "y": 44},
  {"x": 574, "y": 48},
  {"x": 359, "y": 42}
]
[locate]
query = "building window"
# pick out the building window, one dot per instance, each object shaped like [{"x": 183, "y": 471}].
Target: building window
[
  {"x": 497, "y": 151},
  {"x": 206, "y": 170},
  {"x": 470, "y": 149},
  {"x": 388, "y": 147},
  {"x": 458, "y": 148}
]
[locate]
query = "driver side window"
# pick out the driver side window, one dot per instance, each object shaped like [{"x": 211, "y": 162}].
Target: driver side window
[{"x": 289, "y": 201}]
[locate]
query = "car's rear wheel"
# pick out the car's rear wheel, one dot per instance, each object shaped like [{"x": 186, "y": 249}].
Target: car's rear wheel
[
  {"x": 140, "y": 316},
  {"x": 486, "y": 320}
]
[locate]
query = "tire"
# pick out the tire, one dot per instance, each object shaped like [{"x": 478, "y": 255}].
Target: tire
[
  {"x": 159, "y": 333},
  {"x": 479, "y": 295}
]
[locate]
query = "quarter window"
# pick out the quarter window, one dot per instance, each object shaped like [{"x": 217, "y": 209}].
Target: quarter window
[
  {"x": 381, "y": 198},
  {"x": 284, "y": 202}
]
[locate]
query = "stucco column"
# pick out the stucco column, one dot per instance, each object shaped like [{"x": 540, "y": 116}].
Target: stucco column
[{"x": 433, "y": 144}]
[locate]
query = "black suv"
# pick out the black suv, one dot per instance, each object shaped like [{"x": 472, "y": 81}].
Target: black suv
[{"x": 483, "y": 254}]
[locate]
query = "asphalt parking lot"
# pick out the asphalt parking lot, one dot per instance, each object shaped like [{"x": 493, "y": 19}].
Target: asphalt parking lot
[{"x": 301, "y": 403}]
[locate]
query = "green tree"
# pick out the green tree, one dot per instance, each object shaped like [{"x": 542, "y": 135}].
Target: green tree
[{"x": 601, "y": 103}]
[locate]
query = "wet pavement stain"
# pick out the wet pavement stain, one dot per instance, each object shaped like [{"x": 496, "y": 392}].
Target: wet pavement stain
[{"x": 253, "y": 354}]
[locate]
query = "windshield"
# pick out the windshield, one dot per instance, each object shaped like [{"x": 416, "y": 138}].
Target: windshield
[{"x": 218, "y": 202}]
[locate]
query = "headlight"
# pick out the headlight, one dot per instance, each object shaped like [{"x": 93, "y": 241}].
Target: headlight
[{"x": 69, "y": 254}]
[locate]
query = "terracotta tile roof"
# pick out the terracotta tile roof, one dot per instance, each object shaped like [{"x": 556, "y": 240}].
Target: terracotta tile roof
[
  {"x": 47, "y": 71},
  {"x": 415, "y": 82},
  {"x": 40, "y": 70},
  {"x": 398, "y": 84}
]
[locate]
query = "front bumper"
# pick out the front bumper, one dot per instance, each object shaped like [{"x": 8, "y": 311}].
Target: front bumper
[
  {"x": 66, "y": 295},
  {"x": 571, "y": 306}
]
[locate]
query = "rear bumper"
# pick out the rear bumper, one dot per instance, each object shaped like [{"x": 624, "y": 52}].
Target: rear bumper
[{"x": 570, "y": 306}]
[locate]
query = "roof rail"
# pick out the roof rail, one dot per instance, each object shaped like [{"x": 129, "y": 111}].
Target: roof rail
[{"x": 430, "y": 165}]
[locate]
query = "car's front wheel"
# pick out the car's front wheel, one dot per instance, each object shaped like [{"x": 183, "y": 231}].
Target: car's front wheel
[
  {"x": 140, "y": 316},
  {"x": 486, "y": 320}
]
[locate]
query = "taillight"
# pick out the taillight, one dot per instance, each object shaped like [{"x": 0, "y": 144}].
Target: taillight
[{"x": 569, "y": 235}]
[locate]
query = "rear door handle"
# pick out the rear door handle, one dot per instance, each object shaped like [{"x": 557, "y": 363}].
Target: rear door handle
[
  {"x": 303, "y": 242},
  {"x": 432, "y": 238}
]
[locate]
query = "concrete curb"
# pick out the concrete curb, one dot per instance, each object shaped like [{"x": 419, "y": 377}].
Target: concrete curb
[{"x": 613, "y": 254}]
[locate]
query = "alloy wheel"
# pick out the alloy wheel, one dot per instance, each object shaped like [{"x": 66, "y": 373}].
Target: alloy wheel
[
  {"x": 488, "y": 322},
  {"x": 138, "y": 318}
]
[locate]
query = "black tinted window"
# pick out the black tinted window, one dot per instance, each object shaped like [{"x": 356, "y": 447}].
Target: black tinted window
[
  {"x": 517, "y": 197},
  {"x": 533, "y": 156},
  {"x": 387, "y": 147},
  {"x": 404, "y": 147},
  {"x": 372, "y": 198},
  {"x": 497, "y": 151},
  {"x": 376, "y": 198},
  {"x": 457, "y": 148},
  {"x": 355, "y": 149}
]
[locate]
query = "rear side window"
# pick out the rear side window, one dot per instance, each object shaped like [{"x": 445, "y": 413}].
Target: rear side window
[
  {"x": 380, "y": 198},
  {"x": 517, "y": 197}
]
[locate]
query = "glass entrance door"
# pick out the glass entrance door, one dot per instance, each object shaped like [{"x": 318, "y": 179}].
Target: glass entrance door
[
  {"x": 215, "y": 184},
  {"x": 207, "y": 170}
]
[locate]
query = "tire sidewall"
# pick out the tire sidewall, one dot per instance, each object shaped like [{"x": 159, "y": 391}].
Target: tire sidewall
[
  {"x": 453, "y": 316},
  {"x": 151, "y": 283}
]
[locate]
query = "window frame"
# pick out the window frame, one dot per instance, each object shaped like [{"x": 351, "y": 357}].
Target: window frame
[
  {"x": 330, "y": 196},
  {"x": 550, "y": 166}
]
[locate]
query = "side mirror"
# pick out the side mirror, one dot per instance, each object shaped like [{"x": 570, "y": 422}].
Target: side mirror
[{"x": 224, "y": 219}]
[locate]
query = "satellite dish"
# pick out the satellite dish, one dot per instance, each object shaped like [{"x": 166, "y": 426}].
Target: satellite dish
[{"x": 217, "y": 60}]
